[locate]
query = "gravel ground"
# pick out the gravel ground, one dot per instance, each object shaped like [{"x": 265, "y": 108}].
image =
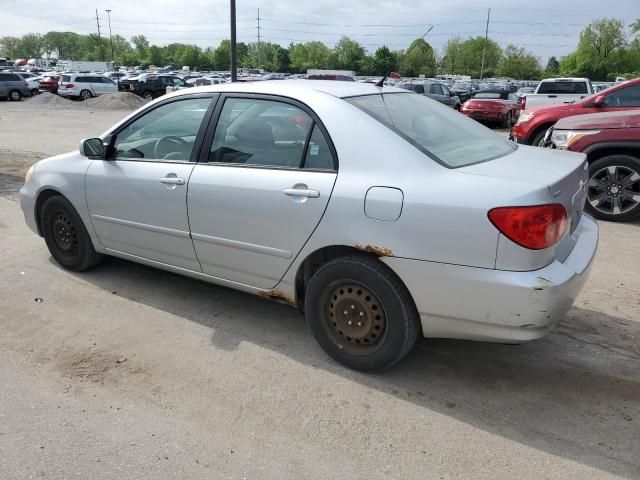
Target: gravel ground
[{"x": 126, "y": 372}]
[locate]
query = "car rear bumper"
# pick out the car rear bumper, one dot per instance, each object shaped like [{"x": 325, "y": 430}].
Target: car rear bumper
[
  {"x": 495, "y": 305},
  {"x": 63, "y": 92},
  {"x": 28, "y": 205},
  {"x": 484, "y": 115}
]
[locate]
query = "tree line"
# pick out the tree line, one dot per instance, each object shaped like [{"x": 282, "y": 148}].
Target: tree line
[{"x": 606, "y": 49}]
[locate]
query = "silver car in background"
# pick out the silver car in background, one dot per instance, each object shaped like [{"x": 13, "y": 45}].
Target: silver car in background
[
  {"x": 84, "y": 86},
  {"x": 380, "y": 213}
]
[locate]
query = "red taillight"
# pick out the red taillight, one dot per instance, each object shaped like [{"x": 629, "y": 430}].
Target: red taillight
[
  {"x": 523, "y": 105},
  {"x": 69, "y": 85},
  {"x": 535, "y": 227},
  {"x": 26, "y": 84}
]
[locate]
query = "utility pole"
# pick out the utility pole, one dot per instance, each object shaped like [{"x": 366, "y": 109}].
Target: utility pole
[
  {"x": 484, "y": 48},
  {"x": 258, "y": 38},
  {"x": 110, "y": 38},
  {"x": 234, "y": 60},
  {"x": 99, "y": 38}
]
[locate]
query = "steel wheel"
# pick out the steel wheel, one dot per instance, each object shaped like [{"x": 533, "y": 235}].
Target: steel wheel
[
  {"x": 614, "y": 190},
  {"x": 65, "y": 235},
  {"x": 355, "y": 318}
]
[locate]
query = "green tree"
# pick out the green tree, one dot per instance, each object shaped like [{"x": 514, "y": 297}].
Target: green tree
[
  {"x": 599, "y": 49},
  {"x": 141, "y": 45},
  {"x": 384, "y": 60},
  {"x": 553, "y": 66},
  {"x": 517, "y": 63},
  {"x": 349, "y": 54},
  {"x": 419, "y": 59},
  {"x": 452, "y": 56}
]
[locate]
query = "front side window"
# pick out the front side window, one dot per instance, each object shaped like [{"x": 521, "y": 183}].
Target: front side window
[
  {"x": 260, "y": 132},
  {"x": 625, "y": 97},
  {"x": 167, "y": 132},
  {"x": 438, "y": 131},
  {"x": 445, "y": 90}
]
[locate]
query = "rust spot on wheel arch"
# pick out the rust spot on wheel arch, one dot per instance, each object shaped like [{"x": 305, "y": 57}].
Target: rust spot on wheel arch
[
  {"x": 375, "y": 249},
  {"x": 277, "y": 295}
]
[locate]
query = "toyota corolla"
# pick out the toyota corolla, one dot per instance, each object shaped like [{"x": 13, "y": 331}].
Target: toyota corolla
[{"x": 379, "y": 213}]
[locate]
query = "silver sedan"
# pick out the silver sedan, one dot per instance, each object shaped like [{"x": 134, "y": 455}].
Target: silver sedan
[{"x": 379, "y": 213}]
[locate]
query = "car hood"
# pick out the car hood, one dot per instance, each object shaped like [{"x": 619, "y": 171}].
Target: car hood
[
  {"x": 565, "y": 107},
  {"x": 600, "y": 121}
]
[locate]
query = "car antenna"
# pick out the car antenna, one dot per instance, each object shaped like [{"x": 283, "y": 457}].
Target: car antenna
[{"x": 380, "y": 83}]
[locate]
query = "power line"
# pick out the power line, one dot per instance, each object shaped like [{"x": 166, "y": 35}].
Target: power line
[
  {"x": 484, "y": 47},
  {"x": 99, "y": 38}
]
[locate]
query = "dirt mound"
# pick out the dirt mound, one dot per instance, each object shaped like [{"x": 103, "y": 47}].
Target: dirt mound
[
  {"x": 115, "y": 101},
  {"x": 50, "y": 100}
]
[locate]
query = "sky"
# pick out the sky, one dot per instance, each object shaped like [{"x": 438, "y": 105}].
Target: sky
[{"x": 543, "y": 27}]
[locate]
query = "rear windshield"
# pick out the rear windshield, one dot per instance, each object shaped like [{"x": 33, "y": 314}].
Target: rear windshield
[
  {"x": 439, "y": 131},
  {"x": 489, "y": 95},
  {"x": 563, "y": 87},
  {"x": 65, "y": 78}
]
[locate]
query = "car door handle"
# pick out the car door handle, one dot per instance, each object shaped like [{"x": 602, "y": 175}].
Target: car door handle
[
  {"x": 298, "y": 192},
  {"x": 172, "y": 180}
]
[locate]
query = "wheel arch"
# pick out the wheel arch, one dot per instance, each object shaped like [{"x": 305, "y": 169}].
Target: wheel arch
[
  {"x": 41, "y": 199},
  {"x": 543, "y": 127},
  {"x": 316, "y": 259},
  {"x": 601, "y": 150}
]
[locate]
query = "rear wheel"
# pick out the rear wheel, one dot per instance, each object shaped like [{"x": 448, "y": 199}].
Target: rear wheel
[
  {"x": 147, "y": 95},
  {"x": 360, "y": 313},
  {"x": 614, "y": 188},
  {"x": 15, "y": 95},
  {"x": 85, "y": 95},
  {"x": 66, "y": 237},
  {"x": 34, "y": 92}
]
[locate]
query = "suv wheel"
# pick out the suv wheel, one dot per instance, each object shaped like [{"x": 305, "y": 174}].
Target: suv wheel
[
  {"x": 360, "y": 313},
  {"x": 147, "y": 96},
  {"x": 614, "y": 188},
  {"x": 34, "y": 92},
  {"x": 85, "y": 95},
  {"x": 15, "y": 95}
]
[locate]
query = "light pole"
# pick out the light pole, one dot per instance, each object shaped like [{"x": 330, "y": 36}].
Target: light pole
[
  {"x": 110, "y": 37},
  {"x": 234, "y": 60},
  {"x": 428, "y": 30}
]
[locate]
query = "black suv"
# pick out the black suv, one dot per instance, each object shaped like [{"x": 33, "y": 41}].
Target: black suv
[
  {"x": 437, "y": 91},
  {"x": 150, "y": 85}
]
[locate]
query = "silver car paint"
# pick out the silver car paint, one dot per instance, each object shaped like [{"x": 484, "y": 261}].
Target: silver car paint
[{"x": 441, "y": 239}]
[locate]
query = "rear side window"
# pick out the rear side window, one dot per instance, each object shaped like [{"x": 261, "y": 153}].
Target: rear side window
[
  {"x": 563, "y": 87},
  {"x": 318, "y": 152},
  {"x": 260, "y": 132},
  {"x": 439, "y": 131},
  {"x": 83, "y": 79},
  {"x": 9, "y": 77}
]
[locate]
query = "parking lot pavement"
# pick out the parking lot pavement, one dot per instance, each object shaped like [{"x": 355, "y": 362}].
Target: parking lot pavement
[{"x": 127, "y": 372}]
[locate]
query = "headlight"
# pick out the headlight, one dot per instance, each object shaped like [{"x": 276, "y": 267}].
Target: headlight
[
  {"x": 564, "y": 138},
  {"x": 27, "y": 177},
  {"x": 524, "y": 117}
]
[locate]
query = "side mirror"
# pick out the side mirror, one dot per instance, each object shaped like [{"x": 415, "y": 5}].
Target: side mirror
[
  {"x": 598, "y": 101},
  {"x": 92, "y": 148}
]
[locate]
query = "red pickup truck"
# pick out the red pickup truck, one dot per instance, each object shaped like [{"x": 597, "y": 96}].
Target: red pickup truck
[
  {"x": 532, "y": 125},
  {"x": 612, "y": 144}
]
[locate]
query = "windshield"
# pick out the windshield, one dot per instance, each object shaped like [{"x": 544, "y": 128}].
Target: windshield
[
  {"x": 488, "y": 95},
  {"x": 461, "y": 86},
  {"x": 439, "y": 131}
]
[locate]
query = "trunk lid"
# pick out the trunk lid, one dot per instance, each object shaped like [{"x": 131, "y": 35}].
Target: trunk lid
[
  {"x": 565, "y": 174},
  {"x": 485, "y": 104}
]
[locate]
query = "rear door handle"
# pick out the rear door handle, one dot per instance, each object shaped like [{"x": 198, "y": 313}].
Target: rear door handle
[
  {"x": 172, "y": 180},
  {"x": 296, "y": 192}
]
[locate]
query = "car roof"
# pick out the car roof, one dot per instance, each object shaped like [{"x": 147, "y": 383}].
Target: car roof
[{"x": 297, "y": 88}]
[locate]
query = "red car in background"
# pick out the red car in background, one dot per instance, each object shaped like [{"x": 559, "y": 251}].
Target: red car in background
[
  {"x": 493, "y": 106},
  {"x": 532, "y": 125},
  {"x": 49, "y": 84},
  {"x": 611, "y": 142}
]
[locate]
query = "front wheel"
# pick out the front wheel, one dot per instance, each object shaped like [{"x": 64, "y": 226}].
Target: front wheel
[
  {"x": 360, "y": 313},
  {"x": 66, "y": 236},
  {"x": 147, "y": 96},
  {"x": 614, "y": 188}
]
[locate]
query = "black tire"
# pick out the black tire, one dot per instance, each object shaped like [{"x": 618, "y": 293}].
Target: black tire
[
  {"x": 66, "y": 236},
  {"x": 508, "y": 120},
  {"x": 147, "y": 95},
  {"x": 611, "y": 185},
  {"x": 85, "y": 95},
  {"x": 538, "y": 138},
  {"x": 369, "y": 291},
  {"x": 15, "y": 95},
  {"x": 35, "y": 92}
]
